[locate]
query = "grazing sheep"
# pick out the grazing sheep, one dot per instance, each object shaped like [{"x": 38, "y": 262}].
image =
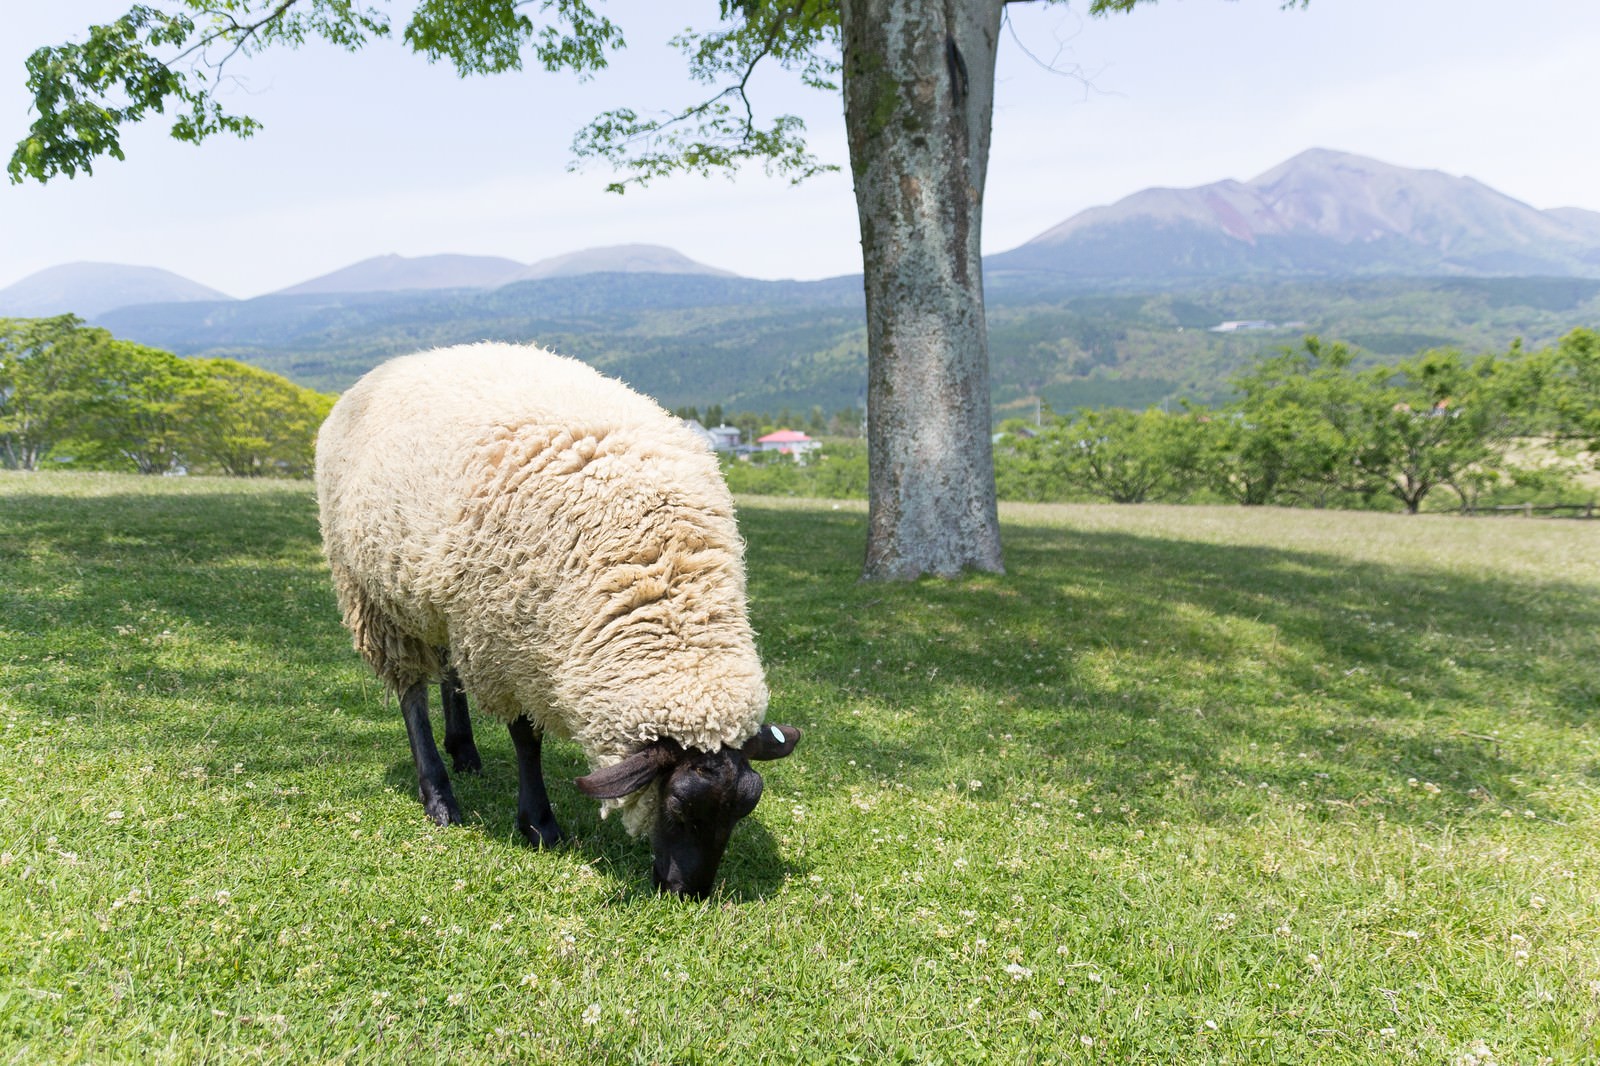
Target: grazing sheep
[{"x": 520, "y": 527}]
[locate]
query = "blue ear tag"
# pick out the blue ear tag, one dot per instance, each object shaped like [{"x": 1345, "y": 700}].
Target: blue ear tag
[{"x": 777, "y": 734}]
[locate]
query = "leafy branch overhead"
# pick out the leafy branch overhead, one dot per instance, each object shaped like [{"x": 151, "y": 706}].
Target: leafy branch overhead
[
  {"x": 150, "y": 60},
  {"x": 723, "y": 131},
  {"x": 160, "y": 60}
]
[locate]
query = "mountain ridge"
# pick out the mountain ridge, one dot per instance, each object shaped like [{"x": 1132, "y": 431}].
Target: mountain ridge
[
  {"x": 1321, "y": 212},
  {"x": 89, "y": 293},
  {"x": 398, "y": 273}
]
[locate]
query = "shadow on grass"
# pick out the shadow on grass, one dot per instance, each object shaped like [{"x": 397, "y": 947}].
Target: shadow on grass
[
  {"x": 1138, "y": 661},
  {"x": 1169, "y": 673}
]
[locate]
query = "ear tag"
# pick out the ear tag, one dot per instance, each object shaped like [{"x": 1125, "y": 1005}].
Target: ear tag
[{"x": 777, "y": 734}]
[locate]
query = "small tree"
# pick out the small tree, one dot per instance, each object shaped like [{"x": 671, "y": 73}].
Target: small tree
[
  {"x": 145, "y": 406},
  {"x": 49, "y": 375},
  {"x": 1568, "y": 397},
  {"x": 257, "y": 423},
  {"x": 1436, "y": 420},
  {"x": 1124, "y": 456},
  {"x": 1292, "y": 434}
]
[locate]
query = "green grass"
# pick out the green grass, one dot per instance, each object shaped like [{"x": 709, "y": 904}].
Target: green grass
[{"x": 1185, "y": 785}]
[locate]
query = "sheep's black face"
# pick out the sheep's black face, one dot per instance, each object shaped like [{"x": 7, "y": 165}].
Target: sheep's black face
[{"x": 702, "y": 797}]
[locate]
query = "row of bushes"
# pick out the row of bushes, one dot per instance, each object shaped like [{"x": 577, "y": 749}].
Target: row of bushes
[
  {"x": 74, "y": 396},
  {"x": 1310, "y": 427}
]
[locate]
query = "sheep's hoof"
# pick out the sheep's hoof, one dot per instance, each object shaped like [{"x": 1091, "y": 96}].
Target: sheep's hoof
[
  {"x": 465, "y": 759},
  {"x": 546, "y": 834},
  {"x": 442, "y": 808}
]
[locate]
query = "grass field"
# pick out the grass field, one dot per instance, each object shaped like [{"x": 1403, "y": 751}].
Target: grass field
[{"x": 1186, "y": 785}]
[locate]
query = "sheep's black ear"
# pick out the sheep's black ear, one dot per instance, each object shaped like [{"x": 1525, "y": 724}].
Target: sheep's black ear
[
  {"x": 771, "y": 742},
  {"x": 631, "y": 774}
]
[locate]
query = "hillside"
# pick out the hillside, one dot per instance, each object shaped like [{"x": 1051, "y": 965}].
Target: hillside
[
  {"x": 761, "y": 342},
  {"x": 763, "y": 345}
]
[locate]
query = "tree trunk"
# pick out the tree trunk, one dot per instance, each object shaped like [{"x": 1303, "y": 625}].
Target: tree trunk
[{"x": 919, "y": 96}]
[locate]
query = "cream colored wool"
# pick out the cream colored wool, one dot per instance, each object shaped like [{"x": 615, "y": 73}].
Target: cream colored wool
[{"x": 569, "y": 543}]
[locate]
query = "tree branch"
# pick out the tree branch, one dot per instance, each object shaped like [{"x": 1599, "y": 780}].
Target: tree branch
[{"x": 789, "y": 33}]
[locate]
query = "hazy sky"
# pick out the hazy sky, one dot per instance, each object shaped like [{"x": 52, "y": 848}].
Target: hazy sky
[{"x": 379, "y": 152}]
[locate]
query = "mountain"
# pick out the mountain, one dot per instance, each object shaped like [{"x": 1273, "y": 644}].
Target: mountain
[
  {"x": 620, "y": 259},
  {"x": 91, "y": 289},
  {"x": 1322, "y": 213},
  {"x": 397, "y": 273}
]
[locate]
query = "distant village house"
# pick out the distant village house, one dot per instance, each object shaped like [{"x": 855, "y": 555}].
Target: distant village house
[
  {"x": 789, "y": 442},
  {"x": 724, "y": 438}
]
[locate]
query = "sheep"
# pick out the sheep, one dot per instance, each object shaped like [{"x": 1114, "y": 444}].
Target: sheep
[{"x": 520, "y": 527}]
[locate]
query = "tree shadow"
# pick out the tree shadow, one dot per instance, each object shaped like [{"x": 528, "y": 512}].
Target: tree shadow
[{"x": 1133, "y": 661}]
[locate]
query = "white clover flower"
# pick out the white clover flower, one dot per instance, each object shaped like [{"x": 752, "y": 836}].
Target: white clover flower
[
  {"x": 1018, "y": 972},
  {"x": 591, "y": 1014}
]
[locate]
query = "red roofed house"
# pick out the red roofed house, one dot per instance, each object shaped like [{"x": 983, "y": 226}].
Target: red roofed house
[{"x": 789, "y": 442}]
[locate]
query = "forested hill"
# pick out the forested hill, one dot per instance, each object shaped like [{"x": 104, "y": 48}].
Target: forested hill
[
  {"x": 675, "y": 336},
  {"x": 766, "y": 345}
]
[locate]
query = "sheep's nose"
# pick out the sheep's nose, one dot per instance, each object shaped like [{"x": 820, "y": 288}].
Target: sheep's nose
[{"x": 666, "y": 885}]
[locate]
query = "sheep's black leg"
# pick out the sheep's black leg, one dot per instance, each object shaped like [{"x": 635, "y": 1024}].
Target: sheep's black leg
[
  {"x": 433, "y": 783},
  {"x": 457, "y": 726},
  {"x": 534, "y": 816}
]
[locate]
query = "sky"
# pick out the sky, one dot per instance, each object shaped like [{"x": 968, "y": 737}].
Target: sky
[{"x": 380, "y": 152}]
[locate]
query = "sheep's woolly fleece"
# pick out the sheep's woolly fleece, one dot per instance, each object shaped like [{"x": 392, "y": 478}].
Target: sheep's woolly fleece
[{"x": 569, "y": 543}]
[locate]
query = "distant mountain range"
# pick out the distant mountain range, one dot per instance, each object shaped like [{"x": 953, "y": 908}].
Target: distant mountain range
[
  {"x": 1320, "y": 214},
  {"x": 396, "y": 273},
  {"x": 92, "y": 289}
]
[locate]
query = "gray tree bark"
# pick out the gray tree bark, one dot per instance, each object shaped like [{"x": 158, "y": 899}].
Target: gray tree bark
[{"x": 919, "y": 98}]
